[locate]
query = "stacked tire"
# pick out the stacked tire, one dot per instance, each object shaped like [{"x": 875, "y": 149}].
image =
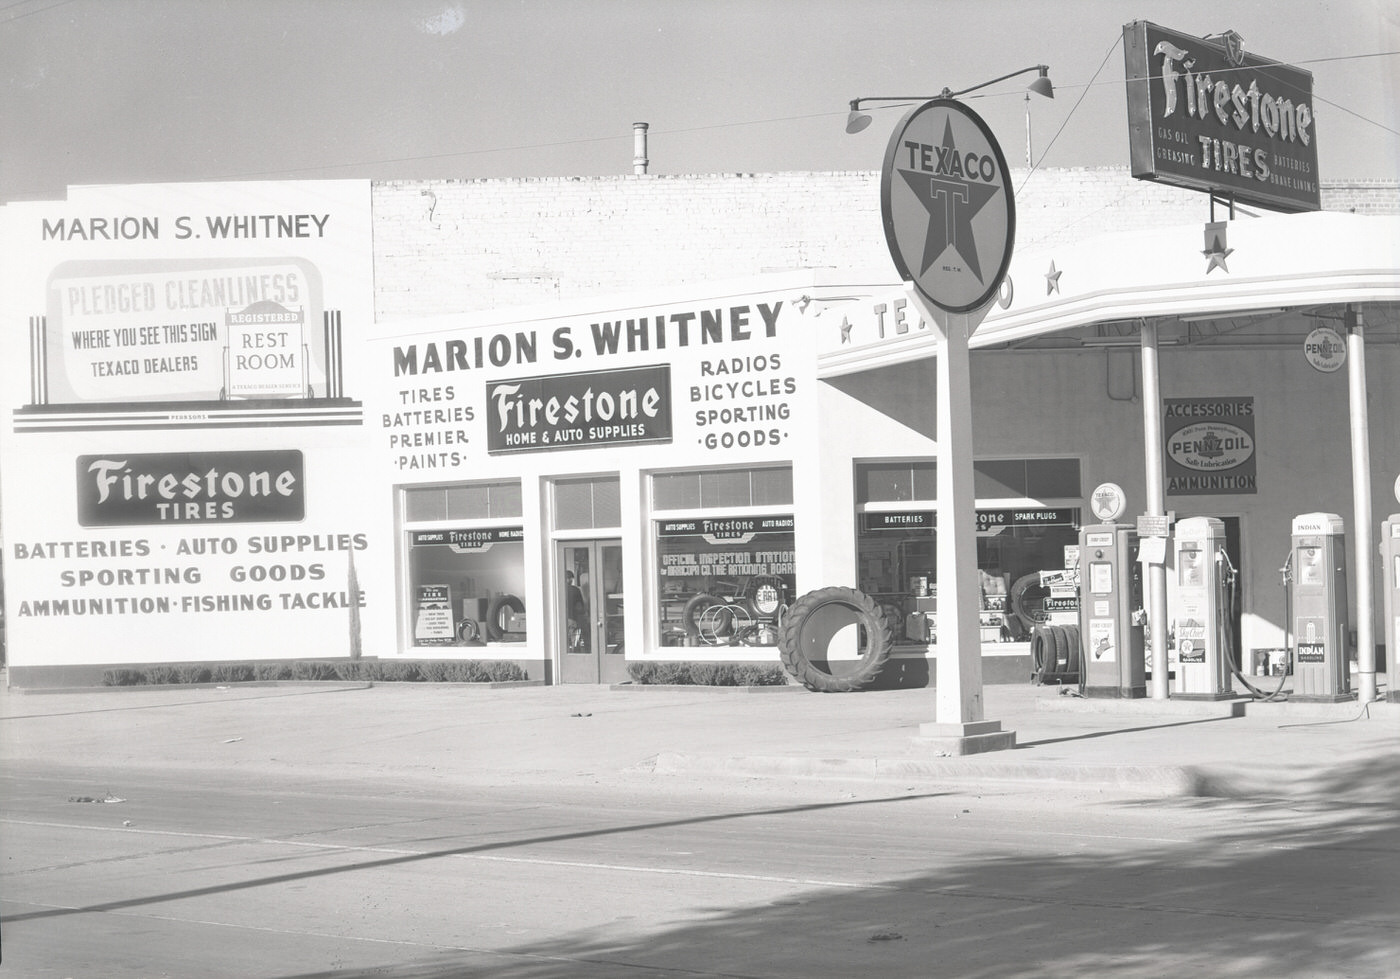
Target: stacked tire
[{"x": 1055, "y": 654}]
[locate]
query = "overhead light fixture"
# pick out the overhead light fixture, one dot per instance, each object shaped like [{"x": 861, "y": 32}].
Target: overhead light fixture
[
  {"x": 1110, "y": 342},
  {"x": 1040, "y": 85},
  {"x": 1230, "y": 315},
  {"x": 1125, "y": 341}
]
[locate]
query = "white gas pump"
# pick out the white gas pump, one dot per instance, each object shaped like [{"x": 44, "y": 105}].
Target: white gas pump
[
  {"x": 1204, "y": 586},
  {"x": 1110, "y": 612},
  {"x": 1318, "y": 599},
  {"x": 1390, "y": 578}
]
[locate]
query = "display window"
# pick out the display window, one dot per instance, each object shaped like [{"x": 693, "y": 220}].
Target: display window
[
  {"x": 726, "y": 578},
  {"x": 1025, "y": 552},
  {"x": 466, "y": 565}
]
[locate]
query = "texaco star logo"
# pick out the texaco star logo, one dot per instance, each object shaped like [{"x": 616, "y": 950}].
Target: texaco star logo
[
  {"x": 947, "y": 204},
  {"x": 951, "y": 201}
]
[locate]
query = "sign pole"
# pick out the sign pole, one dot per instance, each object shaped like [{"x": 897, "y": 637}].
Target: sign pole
[
  {"x": 1156, "y": 505},
  {"x": 1361, "y": 508},
  {"x": 950, "y": 222},
  {"x": 959, "y": 705}
]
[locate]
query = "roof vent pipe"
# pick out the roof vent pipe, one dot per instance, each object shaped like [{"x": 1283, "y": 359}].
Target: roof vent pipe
[{"x": 639, "y": 148}]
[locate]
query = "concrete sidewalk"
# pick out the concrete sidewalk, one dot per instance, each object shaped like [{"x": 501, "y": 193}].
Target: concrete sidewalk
[{"x": 464, "y": 734}]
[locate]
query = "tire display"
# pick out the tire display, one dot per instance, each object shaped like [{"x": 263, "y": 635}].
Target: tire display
[
  {"x": 1027, "y": 601},
  {"x": 1055, "y": 654},
  {"x": 496, "y": 618},
  {"x": 690, "y": 616},
  {"x": 468, "y": 632},
  {"x": 818, "y": 618}
]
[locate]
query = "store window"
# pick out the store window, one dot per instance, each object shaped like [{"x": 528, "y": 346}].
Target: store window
[
  {"x": 466, "y": 564},
  {"x": 1022, "y": 548},
  {"x": 725, "y": 555}
]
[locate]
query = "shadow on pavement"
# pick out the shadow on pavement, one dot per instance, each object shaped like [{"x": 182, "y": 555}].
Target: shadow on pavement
[
  {"x": 1088, "y": 735},
  {"x": 1240, "y": 904},
  {"x": 410, "y": 858}
]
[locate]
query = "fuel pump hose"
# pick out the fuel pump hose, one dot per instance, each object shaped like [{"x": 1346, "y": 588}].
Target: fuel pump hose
[{"x": 1225, "y": 632}]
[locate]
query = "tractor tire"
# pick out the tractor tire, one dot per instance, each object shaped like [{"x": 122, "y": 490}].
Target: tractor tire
[{"x": 811, "y": 624}]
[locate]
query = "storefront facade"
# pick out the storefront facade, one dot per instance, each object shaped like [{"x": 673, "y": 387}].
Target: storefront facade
[{"x": 652, "y": 475}]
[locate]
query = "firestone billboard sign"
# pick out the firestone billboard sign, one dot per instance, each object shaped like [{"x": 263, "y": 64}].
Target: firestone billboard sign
[{"x": 1207, "y": 115}]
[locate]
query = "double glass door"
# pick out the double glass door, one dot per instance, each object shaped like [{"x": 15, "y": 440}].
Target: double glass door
[{"x": 590, "y": 611}]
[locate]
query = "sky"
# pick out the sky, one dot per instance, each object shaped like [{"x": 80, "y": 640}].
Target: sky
[{"x": 151, "y": 91}]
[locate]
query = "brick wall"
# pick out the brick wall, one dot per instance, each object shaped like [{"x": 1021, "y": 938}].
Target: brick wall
[{"x": 453, "y": 245}]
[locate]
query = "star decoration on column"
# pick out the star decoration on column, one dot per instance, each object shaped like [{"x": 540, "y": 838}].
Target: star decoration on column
[
  {"x": 1215, "y": 249},
  {"x": 845, "y": 330},
  {"x": 1052, "y": 279},
  {"x": 951, "y": 206}
]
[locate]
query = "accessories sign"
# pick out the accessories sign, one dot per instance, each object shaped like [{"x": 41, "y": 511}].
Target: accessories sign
[{"x": 1209, "y": 444}]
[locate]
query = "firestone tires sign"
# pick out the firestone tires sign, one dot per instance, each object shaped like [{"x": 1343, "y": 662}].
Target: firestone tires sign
[
  {"x": 1207, "y": 115},
  {"x": 948, "y": 207}
]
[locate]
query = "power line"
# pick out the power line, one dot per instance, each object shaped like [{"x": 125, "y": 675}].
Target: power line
[
  {"x": 1107, "y": 54},
  {"x": 29, "y": 13}
]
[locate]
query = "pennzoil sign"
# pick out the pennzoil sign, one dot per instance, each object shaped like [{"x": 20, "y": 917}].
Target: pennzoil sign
[
  {"x": 1206, "y": 114},
  {"x": 1209, "y": 445}
]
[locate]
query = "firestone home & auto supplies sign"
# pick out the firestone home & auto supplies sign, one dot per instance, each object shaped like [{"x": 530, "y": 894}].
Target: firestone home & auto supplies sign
[{"x": 947, "y": 203}]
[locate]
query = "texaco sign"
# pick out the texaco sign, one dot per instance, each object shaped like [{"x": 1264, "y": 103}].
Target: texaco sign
[{"x": 945, "y": 194}]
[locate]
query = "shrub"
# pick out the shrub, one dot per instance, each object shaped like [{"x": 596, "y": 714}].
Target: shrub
[
  {"x": 470, "y": 671},
  {"x": 195, "y": 673},
  {"x": 162, "y": 674},
  {"x": 450, "y": 671},
  {"x": 353, "y": 670},
  {"x": 397, "y": 672},
  {"x": 123, "y": 678},
  {"x": 708, "y": 674},
  {"x": 311, "y": 670},
  {"x": 231, "y": 672},
  {"x": 503, "y": 671}
]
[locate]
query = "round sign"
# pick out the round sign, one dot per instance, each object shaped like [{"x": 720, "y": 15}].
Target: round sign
[
  {"x": 1397, "y": 489},
  {"x": 949, "y": 211},
  {"x": 1108, "y": 502},
  {"x": 1325, "y": 349}
]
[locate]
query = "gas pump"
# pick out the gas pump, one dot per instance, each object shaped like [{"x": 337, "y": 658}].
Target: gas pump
[
  {"x": 1318, "y": 598},
  {"x": 1205, "y": 582},
  {"x": 1390, "y": 578},
  {"x": 1110, "y": 616}
]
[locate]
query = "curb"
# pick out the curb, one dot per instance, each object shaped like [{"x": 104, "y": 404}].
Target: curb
[
  {"x": 1065, "y": 704},
  {"x": 322, "y": 685},
  {"x": 706, "y": 687},
  {"x": 1157, "y": 780}
]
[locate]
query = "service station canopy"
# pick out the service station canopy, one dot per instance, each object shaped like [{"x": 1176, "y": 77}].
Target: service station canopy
[{"x": 1224, "y": 287}]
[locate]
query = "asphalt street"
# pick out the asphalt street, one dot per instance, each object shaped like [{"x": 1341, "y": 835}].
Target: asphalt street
[{"x": 186, "y": 833}]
